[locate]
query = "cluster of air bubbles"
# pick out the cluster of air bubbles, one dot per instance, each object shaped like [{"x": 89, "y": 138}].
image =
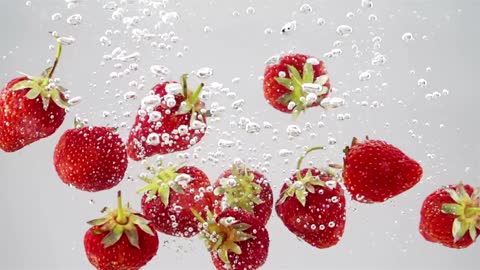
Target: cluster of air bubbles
[{"x": 437, "y": 94}]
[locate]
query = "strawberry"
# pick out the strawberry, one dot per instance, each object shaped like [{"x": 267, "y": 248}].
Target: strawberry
[
  {"x": 91, "y": 158},
  {"x": 449, "y": 213},
  {"x": 171, "y": 119},
  {"x": 26, "y": 111},
  {"x": 312, "y": 206},
  {"x": 235, "y": 239},
  {"x": 170, "y": 194},
  {"x": 245, "y": 189},
  {"x": 122, "y": 240},
  {"x": 375, "y": 171},
  {"x": 295, "y": 82}
]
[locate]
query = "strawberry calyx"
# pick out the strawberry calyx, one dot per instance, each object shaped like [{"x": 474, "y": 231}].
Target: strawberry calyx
[
  {"x": 306, "y": 184},
  {"x": 466, "y": 209},
  {"x": 304, "y": 90},
  {"x": 191, "y": 103},
  {"x": 121, "y": 221},
  {"x": 223, "y": 236},
  {"x": 239, "y": 190},
  {"x": 44, "y": 86},
  {"x": 162, "y": 180}
]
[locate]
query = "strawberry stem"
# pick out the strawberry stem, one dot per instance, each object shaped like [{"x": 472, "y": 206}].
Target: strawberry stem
[
  {"x": 121, "y": 218},
  {"x": 300, "y": 160},
  {"x": 184, "y": 85},
  {"x": 193, "y": 99},
  {"x": 57, "y": 58}
]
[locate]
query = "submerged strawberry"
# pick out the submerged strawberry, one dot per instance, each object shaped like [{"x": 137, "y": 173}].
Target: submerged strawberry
[
  {"x": 296, "y": 82},
  {"x": 122, "y": 240},
  {"x": 170, "y": 194},
  {"x": 375, "y": 171},
  {"x": 450, "y": 216},
  {"x": 171, "y": 119},
  {"x": 31, "y": 108},
  {"x": 90, "y": 158},
  {"x": 235, "y": 239},
  {"x": 312, "y": 206},
  {"x": 244, "y": 189}
]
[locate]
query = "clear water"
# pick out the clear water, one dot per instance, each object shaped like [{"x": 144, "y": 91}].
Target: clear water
[{"x": 407, "y": 71}]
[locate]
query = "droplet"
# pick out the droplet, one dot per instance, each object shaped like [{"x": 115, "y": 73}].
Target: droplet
[
  {"x": 204, "y": 73},
  {"x": 422, "y": 82},
  {"x": 159, "y": 70},
  {"x": 289, "y": 27},
  {"x": 344, "y": 30},
  {"x": 75, "y": 19},
  {"x": 306, "y": 8},
  {"x": 407, "y": 37},
  {"x": 367, "y": 3},
  {"x": 294, "y": 130},
  {"x": 56, "y": 16}
]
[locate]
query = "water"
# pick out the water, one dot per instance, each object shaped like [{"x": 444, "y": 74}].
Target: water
[{"x": 399, "y": 71}]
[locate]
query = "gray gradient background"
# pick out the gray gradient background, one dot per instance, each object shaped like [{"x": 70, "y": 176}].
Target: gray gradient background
[{"x": 43, "y": 220}]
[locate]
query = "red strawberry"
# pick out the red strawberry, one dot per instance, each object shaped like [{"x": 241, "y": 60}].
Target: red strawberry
[
  {"x": 91, "y": 158},
  {"x": 245, "y": 189},
  {"x": 293, "y": 84},
  {"x": 172, "y": 119},
  {"x": 451, "y": 216},
  {"x": 375, "y": 171},
  {"x": 122, "y": 240},
  {"x": 26, "y": 111},
  {"x": 235, "y": 239},
  {"x": 312, "y": 206},
  {"x": 171, "y": 193}
]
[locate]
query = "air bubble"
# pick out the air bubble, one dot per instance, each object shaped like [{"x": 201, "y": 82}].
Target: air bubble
[
  {"x": 204, "y": 73},
  {"x": 75, "y": 19},
  {"x": 344, "y": 30},
  {"x": 407, "y": 37},
  {"x": 289, "y": 27},
  {"x": 306, "y": 8}
]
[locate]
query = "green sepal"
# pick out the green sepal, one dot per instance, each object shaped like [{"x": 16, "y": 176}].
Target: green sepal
[
  {"x": 294, "y": 74},
  {"x": 113, "y": 236},
  {"x": 132, "y": 236},
  {"x": 308, "y": 73},
  {"x": 321, "y": 80},
  {"x": 459, "y": 229},
  {"x": 472, "y": 231},
  {"x": 452, "y": 208},
  {"x": 164, "y": 192},
  {"x": 285, "y": 98},
  {"x": 301, "y": 196},
  {"x": 223, "y": 255},
  {"x": 286, "y": 82},
  {"x": 38, "y": 87},
  {"x": 98, "y": 221},
  {"x": 308, "y": 186}
]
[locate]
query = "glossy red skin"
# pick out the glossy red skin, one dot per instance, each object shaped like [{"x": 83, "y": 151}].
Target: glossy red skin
[
  {"x": 375, "y": 171},
  {"x": 24, "y": 121},
  {"x": 436, "y": 226},
  {"x": 187, "y": 224},
  {"x": 91, "y": 158},
  {"x": 170, "y": 122},
  {"x": 319, "y": 210},
  {"x": 261, "y": 211},
  {"x": 122, "y": 255},
  {"x": 254, "y": 251},
  {"x": 272, "y": 90}
]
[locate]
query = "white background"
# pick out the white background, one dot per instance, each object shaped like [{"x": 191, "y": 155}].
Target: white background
[{"x": 43, "y": 220}]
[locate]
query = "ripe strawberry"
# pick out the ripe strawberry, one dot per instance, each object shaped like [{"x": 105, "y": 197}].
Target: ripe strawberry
[
  {"x": 172, "y": 119},
  {"x": 170, "y": 194},
  {"x": 91, "y": 158},
  {"x": 296, "y": 82},
  {"x": 235, "y": 239},
  {"x": 122, "y": 240},
  {"x": 245, "y": 189},
  {"x": 449, "y": 213},
  {"x": 375, "y": 171},
  {"x": 312, "y": 206},
  {"x": 26, "y": 111}
]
